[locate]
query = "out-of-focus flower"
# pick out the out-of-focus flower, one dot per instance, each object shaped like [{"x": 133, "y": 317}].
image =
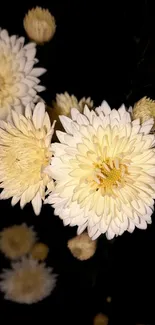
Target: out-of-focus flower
[
  {"x": 109, "y": 299},
  {"x": 82, "y": 247},
  {"x": 27, "y": 282},
  {"x": 18, "y": 77},
  {"x": 39, "y": 25},
  {"x": 39, "y": 251},
  {"x": 25, "y": 152},
  {"x": 17, "y": 240},
  {"x": 104, "y": 167},
  {"x": 63, "y": 104},
  {"x": 144, "y": 109},
  {"x": 101, "y": 319}
]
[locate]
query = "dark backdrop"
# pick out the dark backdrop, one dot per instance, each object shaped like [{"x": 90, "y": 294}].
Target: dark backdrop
[{"x": 106, "y": 50}]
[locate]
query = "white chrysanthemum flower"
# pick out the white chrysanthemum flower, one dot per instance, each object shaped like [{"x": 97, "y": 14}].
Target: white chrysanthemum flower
[
  {"x": 17, "y": 240},
  {"x": 27, "y": 282},
  {"x": 64, "y": 103},
  {"x": 25, "y": 152},
  {"x": 62, "y": 106},
  {"x": 144, "y": 109},
  {"x": 18, "y": 79},
  {"x": 39, "y": 25},
  {"x": 104, "y": 169}
]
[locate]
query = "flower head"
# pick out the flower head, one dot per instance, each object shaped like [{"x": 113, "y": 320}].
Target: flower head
[
  {"x": 40, "y": 25},
  {"x": 82, "y": 247},
  {"x": 64, "y": 103},
  {"x": 39, "y": 251},
  {"x": 18, "y": 79},
  {"x": 62, "y": 106},
  {"x": 17, "y": 240},
  {"x": 101, "y": 319},
  {"x": 144, "y": 109},
  {"x": 27, "y": 282},
  {"x": 25, "y": 152},
  {"x": 104, "y": 172}
]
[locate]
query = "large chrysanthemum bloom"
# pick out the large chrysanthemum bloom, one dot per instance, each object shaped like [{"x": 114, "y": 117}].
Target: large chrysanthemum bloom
[
  {"x": 144, "y": 109},
  {"x": 18, "y": 79},
  {"x": 27, "y": 282},
  {"x": 25, "y": 152},
  {"x": 17, "y": 240},
  {"x": 39, "y": 25},
  {"x": 104, "y": 169}
]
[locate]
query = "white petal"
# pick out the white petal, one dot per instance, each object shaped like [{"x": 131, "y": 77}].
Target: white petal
[
  {"x": 13, "y": 40},
  {"x": 98, "y": 233},
  {"x": 146, "y": 128},
  {"x": 16, "y": 121},
  {"x": 28, "y": 67},
  {"x": 67, "y": 123},
  {"x": 105, "y": 108},
  {"x": 22, "y": 89},
  {"x": 86, "y": 111},
  {"x": 30, "y": 45},
  {"x": 28, "y": 111},
  {"x": 74, "y": 113},
  {"x": 15, "y": 200},
  {"x": 37, "y": 203},
  {"x": 38, "y": 115},
  {"x": 131, "y": 226},
  {"x": 81, "y": 228},
  {"x": 82, "y": 120},
  {"x": 110, "y": 234},
  {"x": 31, "y": 53},
  {"x": 40, "y": 88},
  {"x": 36, "y": 72},
  {"x": 142, "y": 224},
  {"x": 4, "y": 35}
]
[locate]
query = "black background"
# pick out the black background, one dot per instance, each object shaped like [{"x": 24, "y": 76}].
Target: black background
[{"x": 106, "y": 50}]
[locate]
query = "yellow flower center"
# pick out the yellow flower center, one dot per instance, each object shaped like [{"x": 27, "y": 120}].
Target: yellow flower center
[{"x": 108, "y": 175}]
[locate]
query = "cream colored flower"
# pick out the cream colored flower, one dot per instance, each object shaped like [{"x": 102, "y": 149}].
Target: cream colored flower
[
  {"x": 104, "y": 169},
  {"x": 62, "y": 106},
  {"x": 82, "y": 247},
  {"x": 101, "y": 319},
  {"x": 39, "y": 251},
  {"x": 39, "y": 25},
  {"x": 17, "y": 240},
  {"x": 27, "y": 282},
  {"x": 144, "y": 109},
  {"x": 18, "y": 79},
  {"x": 25, "y": 152},
  {"x": 64, "y": 103}
]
